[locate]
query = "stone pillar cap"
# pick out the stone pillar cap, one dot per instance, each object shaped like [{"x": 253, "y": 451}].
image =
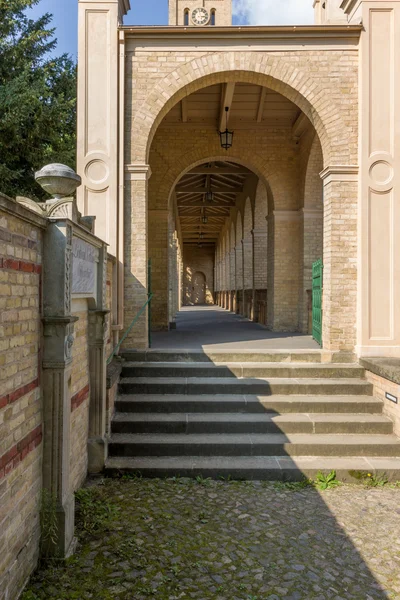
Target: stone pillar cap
[{"x": 58, "y": 180}]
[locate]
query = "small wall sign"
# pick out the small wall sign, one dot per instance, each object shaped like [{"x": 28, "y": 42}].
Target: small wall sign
[
  {"x": 391, "y": 398},
  {"x": 84, "y": 265}
]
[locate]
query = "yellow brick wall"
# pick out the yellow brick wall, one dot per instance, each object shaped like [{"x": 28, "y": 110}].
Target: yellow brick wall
[
  {"x": 20, "y": 395},
  {"x": 390, "y": 409},
  {"x": 80, "y": 396}
]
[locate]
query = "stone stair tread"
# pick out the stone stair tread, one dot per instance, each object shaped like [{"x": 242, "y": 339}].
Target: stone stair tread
[
  {"x": 251, "y": 417},
  {"x": 278, "y": 398},
  {"x": 193, "y": 366},
  {"x": 257, "y": 467},
  {"x": 246, "y": 381},
  {"x": 265, "y": 438}
]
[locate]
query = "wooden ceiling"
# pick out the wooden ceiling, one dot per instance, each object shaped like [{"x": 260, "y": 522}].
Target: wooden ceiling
[
  {"x": 225, "y": 180},
  {"x": 249, "y": 106}
]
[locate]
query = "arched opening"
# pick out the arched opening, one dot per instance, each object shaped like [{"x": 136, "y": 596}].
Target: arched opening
[
  {"x": 252, "y": 192},
  {"x": 199, "y": 288},
  {"x": 213, "y": 17},
  {"x": 186, "y": 17},
  {"x": 204, "y": 190}
]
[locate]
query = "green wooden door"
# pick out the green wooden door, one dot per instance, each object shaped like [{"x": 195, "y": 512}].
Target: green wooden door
[{"x": 317, "y": 279}]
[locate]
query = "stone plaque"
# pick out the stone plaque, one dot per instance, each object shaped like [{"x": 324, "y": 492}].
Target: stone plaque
[{"x": 84, "y": 267}]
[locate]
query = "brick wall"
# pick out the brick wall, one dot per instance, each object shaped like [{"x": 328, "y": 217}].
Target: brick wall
[
  {"x": 381, "y": 386},
  {"x": 194, "y": 260},
  {"x": 80, "y": 394},
  {"x": 20, "y": 397}
]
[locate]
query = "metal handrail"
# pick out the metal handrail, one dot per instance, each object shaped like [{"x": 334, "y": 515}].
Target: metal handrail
[{"x": 127, "y": 332}]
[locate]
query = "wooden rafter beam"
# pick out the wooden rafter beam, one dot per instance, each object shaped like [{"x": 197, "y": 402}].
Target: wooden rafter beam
[
  {"x": 204, "y": 170},
  {"x": 261, "y": 104},
  {"x": 184, "y": 110},
  {"x": 203, "y": 190},
  {"x": 300, "y": 126},
  {"x": 226, "y": 102}
]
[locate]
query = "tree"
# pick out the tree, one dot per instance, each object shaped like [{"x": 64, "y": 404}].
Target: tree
[{"x": 37, "y": 100}]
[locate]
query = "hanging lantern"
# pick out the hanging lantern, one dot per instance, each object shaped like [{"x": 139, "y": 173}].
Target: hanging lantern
[
  {"x": 226, "y": 136},
  {"x": 209, "y": 196},
  {"x": 204, "y": 219},
  {"x": 201, "y": 236}
]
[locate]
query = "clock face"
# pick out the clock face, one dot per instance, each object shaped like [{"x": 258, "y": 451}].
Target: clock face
[{"x": 200, "y": 16}]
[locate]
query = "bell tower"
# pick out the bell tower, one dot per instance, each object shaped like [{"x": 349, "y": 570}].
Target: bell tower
[{"x": 200, "y": 13}]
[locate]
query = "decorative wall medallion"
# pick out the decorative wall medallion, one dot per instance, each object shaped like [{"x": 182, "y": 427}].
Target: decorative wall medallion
[
  {"x": 97, "y": 172},
  {"x": 381, "y": 172}
]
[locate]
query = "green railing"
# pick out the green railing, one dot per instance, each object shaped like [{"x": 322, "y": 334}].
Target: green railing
[
  {"x": 139, "y": 314},
  {"x": 127, "y": 332}
]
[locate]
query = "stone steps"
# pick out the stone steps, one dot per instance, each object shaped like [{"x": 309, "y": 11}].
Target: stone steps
[
  {"x": 276, "y": 415},
  {"x": 270, "y": 444},
  {"x": 222, "y": 423},
  {"x": 240, "y": 370},
  {"x": 210, "y": 357},
  {"x": 166, "y": 403},
  {"x": 226, "y": 385},
  {"x": 273, "y": 468}
]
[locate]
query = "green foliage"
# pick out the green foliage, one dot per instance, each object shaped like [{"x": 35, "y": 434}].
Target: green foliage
[
  {"x": 94, "y": 511},
  {"x": 48, "y": 524},
  {"x": 370, "y": 479},
  {"x": 325, "y": 482},
  {"x": 293, "y": 486},
  {"x": 37, "y": 99}
]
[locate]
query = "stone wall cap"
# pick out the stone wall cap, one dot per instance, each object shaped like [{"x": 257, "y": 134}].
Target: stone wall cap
[
  {"x": 388, "y": 368},
  {"x": 266, "y": 31},
  {"x": 113, "y": 372},
  {"x": 13, "y": 207}
]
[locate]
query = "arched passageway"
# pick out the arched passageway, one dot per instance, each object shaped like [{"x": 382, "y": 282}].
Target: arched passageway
[{"x": 250, "y": 218}]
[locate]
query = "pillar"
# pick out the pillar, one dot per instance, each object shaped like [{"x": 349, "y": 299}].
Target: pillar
[
  {"x": 379, "y": 199},
  {"x": 136, "y": 254},
  {"x": 340, "y": 258},
  {"x": 247, "y": 245},
  {"x": 260, "y": 269},
  {"x": 239, "y": 276},
  {"x": 58, "y": 339},
  {"x": 283, "y": 270},
  {"x": 100, "y": 124}
]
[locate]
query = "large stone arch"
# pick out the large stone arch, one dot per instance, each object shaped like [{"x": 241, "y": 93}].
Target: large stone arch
[{"x": 275, "y": 72}]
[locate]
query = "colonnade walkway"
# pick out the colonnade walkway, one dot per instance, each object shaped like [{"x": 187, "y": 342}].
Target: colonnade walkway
[{"x": 214, "y": 328}]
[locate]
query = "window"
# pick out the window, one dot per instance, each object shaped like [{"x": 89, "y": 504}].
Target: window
[
  {"x": 212, "y": 20},
  {"x": 186, "y": 17}
]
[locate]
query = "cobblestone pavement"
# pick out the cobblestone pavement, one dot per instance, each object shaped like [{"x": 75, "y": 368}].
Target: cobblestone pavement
[{"x": 225, "y": 540}]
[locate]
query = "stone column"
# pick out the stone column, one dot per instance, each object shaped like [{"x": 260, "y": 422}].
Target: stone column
[
  {"x": 232, "y": 279},
  {"x": 239, "y": 275},
  {"x": 58, "y": 338},
  {"x": 97, "y": 442},
  {"x": 379, "y": 201},
  {"x": 136, "y": 253},
  {"x": 260, "y": 268},
  {"x": 340, "y": 258},
  {"x": 247, "y": 245},
  {"x": 100, "y": 125},
  {"x": 283, "y": 270}
]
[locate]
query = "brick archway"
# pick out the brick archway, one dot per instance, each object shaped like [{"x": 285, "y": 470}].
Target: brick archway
[{"x": 270, "y": 71}]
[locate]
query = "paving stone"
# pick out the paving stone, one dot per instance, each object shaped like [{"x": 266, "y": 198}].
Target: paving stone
[{"x": 194, "y": 543}]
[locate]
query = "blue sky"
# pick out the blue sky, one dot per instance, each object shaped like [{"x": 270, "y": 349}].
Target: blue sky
[{"x": 155, "y": 12}]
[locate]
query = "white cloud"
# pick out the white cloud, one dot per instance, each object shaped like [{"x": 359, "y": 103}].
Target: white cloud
[{"x": 274, "y": 12}]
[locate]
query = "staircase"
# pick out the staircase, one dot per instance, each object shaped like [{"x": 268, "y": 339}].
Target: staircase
[{"x": 250, "y": 416}]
